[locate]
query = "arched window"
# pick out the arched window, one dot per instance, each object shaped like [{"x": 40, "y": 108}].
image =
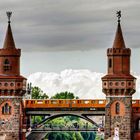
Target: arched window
[
  {"x": 138, "y": 124},
  {"x": 110, "y": 62},
  {"x": 6, "y": 65},
  {"x": 6, "y": 109},
  {"x": 6, "y": 61},
  {"x": 117, "y": 108}
]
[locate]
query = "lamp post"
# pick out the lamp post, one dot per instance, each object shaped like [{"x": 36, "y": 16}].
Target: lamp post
[{"x": 28, "y": 94}]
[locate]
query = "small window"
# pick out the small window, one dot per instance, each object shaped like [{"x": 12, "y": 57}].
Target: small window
[
  {"x": 7, "y": 65},
  {"x": 117, "y": 106},
  {"x": 6, "y": 84},
  {"x": 11, "y": 84},
  {"x": 6, "y": 109},
  {"x": 110, "y": 62},
  {"x": 6, "y": 62}
]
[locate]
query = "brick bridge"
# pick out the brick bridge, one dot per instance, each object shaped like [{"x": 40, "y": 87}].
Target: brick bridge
[
  {"x": 78, "y": 107},
  {"x": 122, "y": 114}
]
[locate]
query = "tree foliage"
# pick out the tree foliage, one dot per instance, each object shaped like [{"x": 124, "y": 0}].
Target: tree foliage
[
  {"x": 63, "y": 95},
  {"x": 37, "y": 93}
]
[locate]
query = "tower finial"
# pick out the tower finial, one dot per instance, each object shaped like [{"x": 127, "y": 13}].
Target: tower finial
[
  {"x": 9, "y": 14},
  {"x": 118, "y": 15}
]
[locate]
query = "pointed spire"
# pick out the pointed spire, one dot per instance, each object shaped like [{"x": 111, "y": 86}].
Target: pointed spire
[
  {"x": 119, "y": 41},
  {"x": 9, "y": 40}
]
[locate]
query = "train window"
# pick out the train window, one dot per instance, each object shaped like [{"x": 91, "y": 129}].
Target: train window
[
  {"x": 86, "y": 102},
  {"x": 73, "y": 102},
  {"x": 101, "y": 102},
  {"x": 54, "y": 102},
  {"x": 93, "y": 102},
  {"x": 39, "y": 102},
  {"x": 46, "y": 102},
  {"x": 60, "y": 101},
  {"x": 78, "y": 101},
  {"x": 67, "y": 101}
]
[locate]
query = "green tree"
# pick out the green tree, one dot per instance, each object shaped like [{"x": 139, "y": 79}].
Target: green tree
[
  {"x": 78, "y": 136},
  {"x": 37, "y": 93},
  {"x": 63, "y": 95},
  {"x": 85, "y": 135}
]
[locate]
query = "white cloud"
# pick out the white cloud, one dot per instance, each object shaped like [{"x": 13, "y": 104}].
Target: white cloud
[{"x": 83, "y": 83}]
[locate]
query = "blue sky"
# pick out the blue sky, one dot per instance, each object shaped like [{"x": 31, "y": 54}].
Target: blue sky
[{"x": 55, "y": 35}]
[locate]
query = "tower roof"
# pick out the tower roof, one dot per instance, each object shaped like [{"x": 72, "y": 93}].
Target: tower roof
[
  {"x": 9, "y": 40},
  {"x": 119, "y": 41}
]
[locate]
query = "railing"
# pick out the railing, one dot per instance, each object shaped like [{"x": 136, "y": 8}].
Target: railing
[
  {"x": 67, "y": 103},
  {"x": 58, "y": 129}
]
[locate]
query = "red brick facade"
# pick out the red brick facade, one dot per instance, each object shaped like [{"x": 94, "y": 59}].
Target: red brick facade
[
  {"x": 12, "y": 89},
  {"x": 119, "y": 86}
]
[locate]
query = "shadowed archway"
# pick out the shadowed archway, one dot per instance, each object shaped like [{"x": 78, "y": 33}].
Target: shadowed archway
[{"x": 39, "y": 128}]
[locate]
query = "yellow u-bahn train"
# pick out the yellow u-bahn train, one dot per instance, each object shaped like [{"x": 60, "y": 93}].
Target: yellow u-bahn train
[
  {"x": 73, "y": 103},
  {"x": 64, "y": 103}
]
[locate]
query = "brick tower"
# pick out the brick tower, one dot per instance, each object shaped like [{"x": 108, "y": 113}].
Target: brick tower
[
  {"x": 12, "y": 88},
  {"x": 119, "y": 86}
]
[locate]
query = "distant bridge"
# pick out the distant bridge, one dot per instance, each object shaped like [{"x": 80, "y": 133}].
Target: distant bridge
[{"x": 53, "y": 108}]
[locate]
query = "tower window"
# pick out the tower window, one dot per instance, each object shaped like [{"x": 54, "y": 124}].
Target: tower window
[
  {"x": 6, "y": 62},
  {"x": 6, "y": 109},
  {"x": 117, "y": 108},
  {"x": 110, "y": 62},
  {"x": 7, "y": 65}
]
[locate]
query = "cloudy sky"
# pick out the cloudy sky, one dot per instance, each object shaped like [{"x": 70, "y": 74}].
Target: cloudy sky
[{"x": 56, "y": 35}]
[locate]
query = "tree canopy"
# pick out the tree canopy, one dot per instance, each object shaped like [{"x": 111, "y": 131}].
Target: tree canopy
[
  {"x": 37, "y": 93},
  {"x": 64, "y": 95}
]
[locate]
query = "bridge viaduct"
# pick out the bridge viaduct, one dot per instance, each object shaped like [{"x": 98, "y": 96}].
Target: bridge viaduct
[{"x": 122, "y": 114}]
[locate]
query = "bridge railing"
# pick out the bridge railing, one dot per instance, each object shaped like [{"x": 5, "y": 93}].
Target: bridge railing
[{"x": 65, "y": 103}]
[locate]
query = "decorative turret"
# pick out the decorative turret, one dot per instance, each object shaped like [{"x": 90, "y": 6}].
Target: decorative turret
[
  {"x": 12, "y": 88},
  {"x": 118, "y": 76},
  {"x": 9, "y": 41},
  {"x": 9, "y": 54},
  {"x": 119, "y": 41},
  {"x": 119, "y": 86}
]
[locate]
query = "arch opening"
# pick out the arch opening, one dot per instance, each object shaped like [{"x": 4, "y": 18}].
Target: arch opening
[{"x": 67, "y": 117}]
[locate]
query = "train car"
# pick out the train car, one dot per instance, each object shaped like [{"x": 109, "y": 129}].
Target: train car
[{"x": 64, "y": 103}]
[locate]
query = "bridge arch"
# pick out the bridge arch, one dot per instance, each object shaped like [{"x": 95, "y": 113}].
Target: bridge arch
[{"x": 49, "y": 118}]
